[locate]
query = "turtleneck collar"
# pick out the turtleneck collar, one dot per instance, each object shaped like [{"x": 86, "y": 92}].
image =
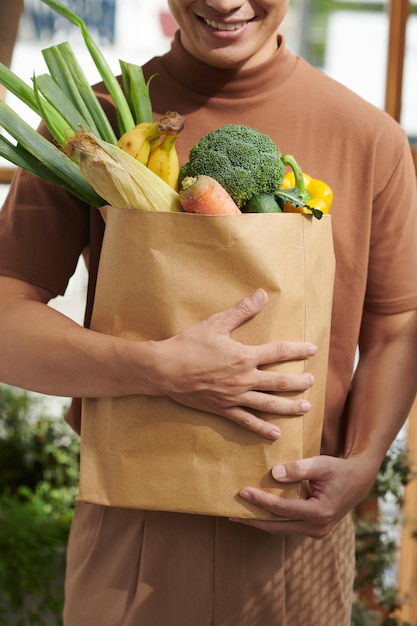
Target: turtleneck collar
[{"x": 208, "y": 81}]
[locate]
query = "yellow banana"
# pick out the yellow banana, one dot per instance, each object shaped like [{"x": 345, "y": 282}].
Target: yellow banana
[
  {"x": 163, "y": 160},
  {"x": 137, "y": 141}
]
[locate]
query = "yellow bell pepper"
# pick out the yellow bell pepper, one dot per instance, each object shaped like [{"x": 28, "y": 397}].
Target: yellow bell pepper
[{"x": 313, "y": 192}]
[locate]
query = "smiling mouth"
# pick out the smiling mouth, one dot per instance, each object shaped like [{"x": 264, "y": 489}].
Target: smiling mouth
[{"x": 223, "y": 25}]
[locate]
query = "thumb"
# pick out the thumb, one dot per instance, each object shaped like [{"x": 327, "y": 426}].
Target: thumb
[
  {"x": 312, "y": 468},
  {"x": 241, "y": 311}
]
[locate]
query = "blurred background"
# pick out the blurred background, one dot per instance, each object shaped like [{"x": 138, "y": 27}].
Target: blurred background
[{"x": 350, "y": 41}]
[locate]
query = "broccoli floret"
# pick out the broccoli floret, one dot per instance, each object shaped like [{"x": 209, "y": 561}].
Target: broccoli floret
[{"x": 243, "y": 160}]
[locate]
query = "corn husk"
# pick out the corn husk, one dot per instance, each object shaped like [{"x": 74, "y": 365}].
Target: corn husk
[{"x": 120, "y": 179}]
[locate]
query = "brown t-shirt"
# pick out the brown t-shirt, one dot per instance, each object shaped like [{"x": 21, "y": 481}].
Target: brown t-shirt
[{"x": 335, "y": 135}]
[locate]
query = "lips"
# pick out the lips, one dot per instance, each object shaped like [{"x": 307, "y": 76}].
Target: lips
[{"x": 230, "y": 26}]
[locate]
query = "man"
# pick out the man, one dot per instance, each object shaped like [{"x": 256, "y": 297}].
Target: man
[{"x": 137, "y": 568}]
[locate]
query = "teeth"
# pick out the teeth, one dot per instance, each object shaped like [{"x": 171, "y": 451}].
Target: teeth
[{"x": 223, "y": 26}]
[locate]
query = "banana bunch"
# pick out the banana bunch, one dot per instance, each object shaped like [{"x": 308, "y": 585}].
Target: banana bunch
[
  {"x": 139, "y": 140},
  {"x": 154, "y": 145}
]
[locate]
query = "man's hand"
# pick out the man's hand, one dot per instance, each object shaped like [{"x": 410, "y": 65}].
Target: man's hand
[
  {"x": 336, "y": 485},
  {"x": 210, "y": 371}
]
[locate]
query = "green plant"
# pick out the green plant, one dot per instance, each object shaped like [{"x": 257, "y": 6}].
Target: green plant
[
  {"x": 38, "y": 484},
  {"x": 32, "y": 548},
  {"x": 376, "y": 546}
]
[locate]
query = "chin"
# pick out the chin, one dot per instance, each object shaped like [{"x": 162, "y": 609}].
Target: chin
[{"x": 225, "y": 61}]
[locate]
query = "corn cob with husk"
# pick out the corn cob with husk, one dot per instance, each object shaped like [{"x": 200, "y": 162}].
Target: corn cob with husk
[{"x": 119, "y": 178}]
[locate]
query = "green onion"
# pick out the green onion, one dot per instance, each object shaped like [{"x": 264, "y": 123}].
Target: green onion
[
  {"x": 58, "y": 99},
  {"x": 18, "y": 87},
  {"x": 126, "y": 121},
  {"x": 92, "y": 102},
  {"x": 49, "y": 156},
  {"x": 22, "y": 158},
  {"x": 137, "y": 92},
  {"x": 57, "y": 125},
  {"x": 61, "y": 73},
  {"x": 69, "y": 76},
  {"x": 27, "y": 95}
]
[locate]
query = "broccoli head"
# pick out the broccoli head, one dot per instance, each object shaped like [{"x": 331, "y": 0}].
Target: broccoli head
[{"x": 242, "y": 159}]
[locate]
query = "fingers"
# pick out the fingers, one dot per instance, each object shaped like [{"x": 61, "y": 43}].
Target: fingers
[
  {"x": 281, "y": 351},
  {"x": 283, "y": 527},
  {"x": 309, "y": 469},
  {"x": 285, "y": 508},
  {"x": 255, "y": 424},
  {"x": 244, "y": 413},
  {"x": 240, "y": 312},
  {"x": 314, "y": 517},
  {"x": 271, "y": 404},
  {"x": 267, "y": 404},
  {"x": 277, "y": 405},
  {"x": 284, "y": 382},
  {"x": 273, "y": 352},
  {"x": 289, "y": 526},
  {"x": 325, "y": 505}
]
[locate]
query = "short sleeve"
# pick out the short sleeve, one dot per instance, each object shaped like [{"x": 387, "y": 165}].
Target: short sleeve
[{"x": 392, "y": 272}]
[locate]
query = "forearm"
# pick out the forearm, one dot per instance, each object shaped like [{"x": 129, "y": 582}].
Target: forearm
[
  {"x": 383, "y": 387},
  {"x": 45, "y": 351}
]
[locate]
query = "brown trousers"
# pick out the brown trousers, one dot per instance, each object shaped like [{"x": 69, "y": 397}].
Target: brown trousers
[{"x": 140, "y": 568}]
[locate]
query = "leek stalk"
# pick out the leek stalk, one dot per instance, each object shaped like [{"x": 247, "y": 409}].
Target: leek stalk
[
  {"x": 69, "y": 76},
  {"x": 18, "y": 87},
  {"x": 125, "y": 118},
  {"x": 137, "y": 92},
  {"x": 22, "y": 158},
  {"x": 59, "y": 100},
  {"x": 62, "y": 75},
  {"x": 57, "y": 125},
  {"x": 28, "y": 96},
  {"x": 49, "y": 156}
]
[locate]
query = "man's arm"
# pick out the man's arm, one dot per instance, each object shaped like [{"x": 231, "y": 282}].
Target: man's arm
[
  {"x": 383, "y": 390},
  {"x": 203, "y": 367}
]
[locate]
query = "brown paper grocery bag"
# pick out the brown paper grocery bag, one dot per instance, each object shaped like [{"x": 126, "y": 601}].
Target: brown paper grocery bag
[{"x": 161, "y": 272}]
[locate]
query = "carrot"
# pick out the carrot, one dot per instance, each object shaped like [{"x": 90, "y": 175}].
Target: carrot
[{"x": 204, "y": 195}]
